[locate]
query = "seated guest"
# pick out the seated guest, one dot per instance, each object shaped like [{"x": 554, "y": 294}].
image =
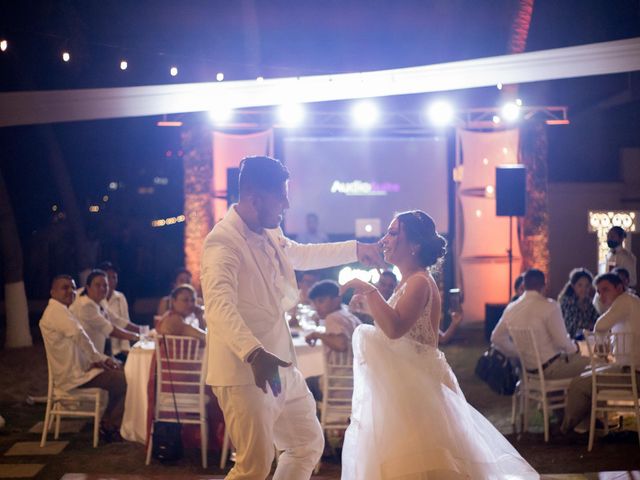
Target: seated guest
[
  {"x": 559, "y": 354},
  {"x": 185, "y": 317},
  {"x": 387, "y": 284},
  {"x": 339, "y": 322},
  {"x": 623, "y": 273},
  {"x": 118, "y": 310},
  {"x": 518, "y": 287},
  {"x": 576, "y": 302},
  {"x": 182, "y": 277},
  {"x": 622, "y": 315},
  {"x": 74, "y": 360},
  {"x": 93, "y": 317}
]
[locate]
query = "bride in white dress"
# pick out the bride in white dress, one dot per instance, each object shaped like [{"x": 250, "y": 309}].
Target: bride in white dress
[{"x": 410, "y": 420}]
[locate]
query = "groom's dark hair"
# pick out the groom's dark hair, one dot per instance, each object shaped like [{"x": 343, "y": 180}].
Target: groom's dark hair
[{"x": 263, "y": 174}]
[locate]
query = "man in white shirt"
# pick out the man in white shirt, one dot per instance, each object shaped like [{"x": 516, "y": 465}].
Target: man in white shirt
[
  {"x": 559, "y": 355},
  {"x": 92, "y": 315},
  {"x": 617, "y": 256},
  {"x": 248, "y": 281},
  {"x": 622, "y": 315},
  {"x": 73, "y": 358},
  {"x": 117, "y": 311}
]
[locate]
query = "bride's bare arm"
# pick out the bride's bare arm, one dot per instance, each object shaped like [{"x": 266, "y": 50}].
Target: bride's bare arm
[{"x": 395, "y": 322}]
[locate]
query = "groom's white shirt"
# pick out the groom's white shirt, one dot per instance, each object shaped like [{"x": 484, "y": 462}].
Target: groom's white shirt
[{"x": 248, "y": 282}]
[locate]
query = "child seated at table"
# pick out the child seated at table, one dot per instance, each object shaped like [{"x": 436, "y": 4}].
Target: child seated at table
[{"x": 339, "y": 324}]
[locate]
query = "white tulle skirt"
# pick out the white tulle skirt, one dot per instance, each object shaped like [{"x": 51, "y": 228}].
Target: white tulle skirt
[{"x": 411, "y": 421}]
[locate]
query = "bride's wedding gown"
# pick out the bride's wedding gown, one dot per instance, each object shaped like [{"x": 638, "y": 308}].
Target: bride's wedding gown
[{"x": 411, "y": 421}]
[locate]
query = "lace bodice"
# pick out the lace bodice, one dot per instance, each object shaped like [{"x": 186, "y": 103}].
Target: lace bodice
[{"x": 422, "y": 331}]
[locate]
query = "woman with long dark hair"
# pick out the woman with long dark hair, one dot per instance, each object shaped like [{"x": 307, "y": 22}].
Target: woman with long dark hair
[{"x": 576, "y": 302}]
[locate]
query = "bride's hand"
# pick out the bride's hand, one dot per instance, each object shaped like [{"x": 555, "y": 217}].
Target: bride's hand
[{"x": 359, "y": 287}]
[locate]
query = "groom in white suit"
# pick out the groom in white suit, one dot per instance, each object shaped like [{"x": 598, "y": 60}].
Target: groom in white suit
[{"x": 248, "y": 283}]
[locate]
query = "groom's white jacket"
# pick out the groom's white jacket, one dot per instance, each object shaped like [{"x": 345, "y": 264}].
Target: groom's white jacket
[{"x": 242, "y": 307}]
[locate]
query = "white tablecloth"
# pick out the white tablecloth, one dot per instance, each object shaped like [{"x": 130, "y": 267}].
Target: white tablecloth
[
  {"x": 310, "y": 359},
  {"x": 137, "y": 368},
  {"x": 136, "y": 371}
]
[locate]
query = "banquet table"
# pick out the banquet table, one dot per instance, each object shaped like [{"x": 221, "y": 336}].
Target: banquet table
[{"x": 137, "y": 371}]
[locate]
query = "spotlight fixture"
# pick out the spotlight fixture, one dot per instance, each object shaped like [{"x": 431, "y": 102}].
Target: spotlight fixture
[
  {"x": 123, "y": 65},
  {"x": 220, "y": 76},
  {"x": 3, "y": 45},
  {"x": 173, "y": 71},
  {"x": 440, "y": 113},
  {"x": 511, "y": 111},
  {"x": 220, "y": 114},
  {"x": 365, "y": 114},
  {"x": 496, "y": 119},
  {"x": 66, "y": 56},
  {"x": 291, "y": 114}
]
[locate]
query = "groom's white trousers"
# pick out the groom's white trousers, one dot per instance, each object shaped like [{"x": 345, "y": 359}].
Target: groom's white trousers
[{"x": 257, "y": 421}]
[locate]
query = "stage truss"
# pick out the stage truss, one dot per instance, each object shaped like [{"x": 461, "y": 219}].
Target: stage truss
[{"x": 399, "y": 122}]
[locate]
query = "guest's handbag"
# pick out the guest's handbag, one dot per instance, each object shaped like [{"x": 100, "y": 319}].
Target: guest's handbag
[
  {"x": 167, "y": 436},
  {"x": 496, "y": 370}
]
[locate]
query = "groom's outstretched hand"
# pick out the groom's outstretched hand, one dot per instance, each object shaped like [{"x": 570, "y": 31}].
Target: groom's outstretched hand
[
  {"x": 370, "y": 254},
  {"x": 265, "y": 370}
]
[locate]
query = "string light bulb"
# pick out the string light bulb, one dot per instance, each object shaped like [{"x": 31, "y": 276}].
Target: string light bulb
[
  {"x": 124, "y": 65},
  {"x": 3, "y": 45},
  {"x": 220, "y": 76},
  {"x": 173, "y": 71},
  {"x": 66, "y": 56}
]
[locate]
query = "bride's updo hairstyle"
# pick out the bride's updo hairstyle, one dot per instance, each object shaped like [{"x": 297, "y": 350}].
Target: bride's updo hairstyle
[{"x": 420, "y": 228}]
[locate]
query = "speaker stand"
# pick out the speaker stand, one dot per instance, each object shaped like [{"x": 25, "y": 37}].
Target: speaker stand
[{"x": 510, "y": 256}]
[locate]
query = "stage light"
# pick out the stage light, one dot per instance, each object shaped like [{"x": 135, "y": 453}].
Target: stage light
[
  {"x": 489, "y": 191},
  {"x": 365, "y": 114},
  {"x": 66, "y": 56},
  {"x": 510, "y": 111},
  {"x": 499, "y": 86},
  {"x": 173, "y": 71},
  {"x": 496, "y": 119},
  {"x": 518, "y": 102},
  {"x": 3, "y": 45},
  {"x": 291, "y": 114},
  {"x": 123, "y": 65},
  {"x": 220, "y": 76},
  {"x": 221, "y": 114},
  {"x": 440, "y": 113}
]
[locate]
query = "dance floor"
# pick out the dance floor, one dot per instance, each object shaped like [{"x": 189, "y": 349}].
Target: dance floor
[
  {"x": 24, "y": 376},
  {"x": 586, "y": 476}
]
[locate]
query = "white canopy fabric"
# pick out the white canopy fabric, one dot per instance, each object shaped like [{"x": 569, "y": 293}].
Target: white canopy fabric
[{"x": 35, "y": 107}]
